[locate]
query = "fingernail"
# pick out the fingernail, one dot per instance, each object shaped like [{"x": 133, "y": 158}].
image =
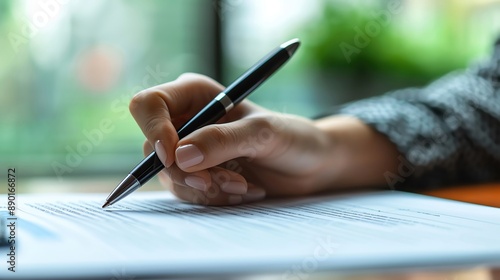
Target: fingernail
[
  {"x": 235, "y": 199},
  {"x": 160, "y": 152},
  {"x": 196, "y": 182},
  {"x": 188, "y": 155},
  {"x": 254, "y": 194},
  {"x": 234, "y": 187}
]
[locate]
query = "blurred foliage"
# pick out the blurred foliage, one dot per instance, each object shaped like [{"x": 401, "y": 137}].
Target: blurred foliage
[
  {"x": 76, "y": 65},
  {"x": 393, "y": 48}
]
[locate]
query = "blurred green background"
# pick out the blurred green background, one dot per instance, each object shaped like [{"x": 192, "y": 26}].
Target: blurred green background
[{"x": 69, "y": 68}]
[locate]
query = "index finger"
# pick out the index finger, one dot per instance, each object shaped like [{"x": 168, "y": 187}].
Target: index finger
[{"x": 158, "y": 110}]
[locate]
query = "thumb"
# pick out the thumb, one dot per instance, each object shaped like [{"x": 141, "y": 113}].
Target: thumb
[{"x": 212, "y": 145}]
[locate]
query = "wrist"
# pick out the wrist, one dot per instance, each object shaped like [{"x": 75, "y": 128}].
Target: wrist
[
  {"x": 328, "y": 168},
  {"x": 358, "y": 156}
]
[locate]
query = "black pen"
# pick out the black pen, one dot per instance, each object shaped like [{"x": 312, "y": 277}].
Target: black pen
[{"x": 211, "y": 113}]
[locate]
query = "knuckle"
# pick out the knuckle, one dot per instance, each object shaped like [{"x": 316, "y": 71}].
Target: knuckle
[
  {"x": 136, "y": 102},
  {"x": 188, "y": 76},
  {"x": 151, "y": 126},
  {"x": 144, "y": 98},
  {"x": 158, "y": 129},
  {"x": 268, "y": 138},
  {"x": 220, "y": 136},
  {"x": 199, "y": 80},
  {"x": 261, "y": 123}
]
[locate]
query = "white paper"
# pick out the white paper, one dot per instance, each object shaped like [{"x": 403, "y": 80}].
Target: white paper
[{"x": 151, "y": 234}]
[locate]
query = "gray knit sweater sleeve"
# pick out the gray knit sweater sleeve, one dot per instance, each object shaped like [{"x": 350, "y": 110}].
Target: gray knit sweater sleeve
[{"x": 447, "y": 132}]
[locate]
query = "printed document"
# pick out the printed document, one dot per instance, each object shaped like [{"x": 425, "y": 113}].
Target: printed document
[{"x": 151, "y": 234}]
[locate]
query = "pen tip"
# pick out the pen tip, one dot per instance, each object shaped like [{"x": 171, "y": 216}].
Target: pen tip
[
  {"x": 105, "y": 204},
  {"x": 291, "y": 46}
]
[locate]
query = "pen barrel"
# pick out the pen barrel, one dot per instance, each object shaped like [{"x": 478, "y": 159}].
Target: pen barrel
[
  {"x": 256, "y": 75},
  {"x": 208, "y": 115},
  {"x": 147, "y": 168}
]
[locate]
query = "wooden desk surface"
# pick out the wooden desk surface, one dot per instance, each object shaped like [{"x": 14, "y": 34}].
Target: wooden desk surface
[{"x": 486, "y": 194}]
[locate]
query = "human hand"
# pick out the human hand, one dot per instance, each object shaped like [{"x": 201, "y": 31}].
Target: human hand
[{"x": 249, "y": 154}]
